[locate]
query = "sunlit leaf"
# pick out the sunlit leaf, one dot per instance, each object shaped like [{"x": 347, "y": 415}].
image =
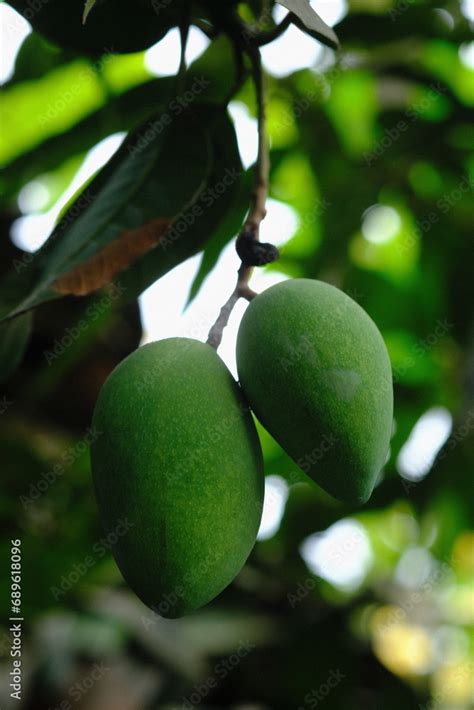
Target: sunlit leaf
[
  {"x": 89, "y": 4},
  {"x": 309, "y": 21}
]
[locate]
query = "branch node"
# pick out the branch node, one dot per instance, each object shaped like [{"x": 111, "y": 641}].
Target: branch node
[{"x": 254, "y": 253}]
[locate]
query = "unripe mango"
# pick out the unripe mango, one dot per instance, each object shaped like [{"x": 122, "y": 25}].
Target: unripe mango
[
  {"x": 316, "y": 372},
  {"x": 178, "y": 459}
]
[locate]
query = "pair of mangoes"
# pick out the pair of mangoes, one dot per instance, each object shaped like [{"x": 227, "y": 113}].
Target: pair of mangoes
[{"x": 178, "y": 454}]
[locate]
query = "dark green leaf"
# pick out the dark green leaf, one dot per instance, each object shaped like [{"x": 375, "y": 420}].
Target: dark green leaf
[
  {"x": 216, "y": 67},
  {"x": 211, "y": 214},
  {"x": 36, "y": 58},
  {"x": 113, "y": 26},
  {"x": 155, "y": 174}
]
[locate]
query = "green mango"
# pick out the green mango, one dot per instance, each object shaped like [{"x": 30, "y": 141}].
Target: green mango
[
  {"x": 111, "y": 26},
  {"x": 178, "y": 473},
  {"x": 316, "y": 372}
]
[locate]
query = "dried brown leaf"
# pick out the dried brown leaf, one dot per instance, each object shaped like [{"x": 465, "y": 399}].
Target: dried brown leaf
[{"x": 112, "y": 259}]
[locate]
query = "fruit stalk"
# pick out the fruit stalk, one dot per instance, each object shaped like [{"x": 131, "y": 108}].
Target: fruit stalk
[{"x": 248, "y": 247}]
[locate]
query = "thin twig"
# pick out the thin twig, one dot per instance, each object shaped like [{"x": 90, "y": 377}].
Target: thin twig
[
  {"x": 241, "y": 73},
  {"x": 258, "y": 205},
  {"x": 257, "y": 209},
  {"x": 262, "y": 38},
  {"x": 241, "y": 290},
  {"x": 209, "y": 30},
  {"x": 183, "y": 33}
]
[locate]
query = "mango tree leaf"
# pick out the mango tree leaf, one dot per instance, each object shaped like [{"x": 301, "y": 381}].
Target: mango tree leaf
[
  {"x": 209, "y": 78},
  {"x": 35, "y": 58},
  {"x": 213, "y": 214},
  {"x": 113, "y": 26},
  {"x": 309, "y": 21},
  {"x": 61, "y": 98},
  {"x": 157, "y": 172},
  {"x": 89, "y": 4},
  {"x": 216, "y": 67},
  {"x": 120, "y": 113}
]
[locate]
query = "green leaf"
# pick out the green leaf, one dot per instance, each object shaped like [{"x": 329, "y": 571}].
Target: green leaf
[
  {"x": 309, "y": 21},
  {"x": 38, "y": 149},
  {"x": 61, "y": 98},
  {"x": 114, "y": 26},
  {"x": 89, "y": 4},
  {"x": 157, "y": 172},
  {"x": 216, "y": 214},
  {"x": 36, "y": 57},
  {"x": 120, "y": 113},
  {"x": 217, "y": 66}
]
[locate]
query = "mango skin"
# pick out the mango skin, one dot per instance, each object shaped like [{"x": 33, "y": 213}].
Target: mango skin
[
  {"x": 316, "y": 372},
  {"x": 179, "y": 460}
]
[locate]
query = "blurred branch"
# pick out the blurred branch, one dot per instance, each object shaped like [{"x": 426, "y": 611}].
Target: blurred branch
[{"x": 263, "y": 38}]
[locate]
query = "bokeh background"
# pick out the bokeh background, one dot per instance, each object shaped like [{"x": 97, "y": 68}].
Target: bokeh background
[{"x": 337, "y": 607}]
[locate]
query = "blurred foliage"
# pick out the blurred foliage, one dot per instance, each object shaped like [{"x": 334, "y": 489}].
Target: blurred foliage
[{"x": 371, "y": 150}]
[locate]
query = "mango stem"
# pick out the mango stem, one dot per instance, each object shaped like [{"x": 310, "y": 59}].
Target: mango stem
[{"x": 250, "y": 251}]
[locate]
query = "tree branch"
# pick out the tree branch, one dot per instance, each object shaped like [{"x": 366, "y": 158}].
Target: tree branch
[
  {"x": 183, "y": 33},
  {"x": 258, "y": 205},
  {"x": 251, "y": 252},
  {"x": 262, "y": 38},
  {"x": 242, "y": 290}
]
